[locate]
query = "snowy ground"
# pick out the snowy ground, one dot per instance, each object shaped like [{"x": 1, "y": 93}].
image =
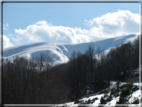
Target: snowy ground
[{"x": 131, "y": 98}]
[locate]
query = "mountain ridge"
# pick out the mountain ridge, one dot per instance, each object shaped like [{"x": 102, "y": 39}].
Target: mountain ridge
[{"x": 62, "y": 52}]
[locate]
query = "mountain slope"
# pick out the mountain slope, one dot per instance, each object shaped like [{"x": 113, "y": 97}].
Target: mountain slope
[{"x": 62, "y": 52}]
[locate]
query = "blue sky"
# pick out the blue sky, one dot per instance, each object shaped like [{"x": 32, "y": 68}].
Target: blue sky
[{"x": 67, "y": 22}]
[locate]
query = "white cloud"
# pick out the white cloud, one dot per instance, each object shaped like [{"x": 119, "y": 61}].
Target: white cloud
[
  {"x": 5, "y": 26},
  {"x": 6, "y": 42},
  {"x": 118, "y": 23},
  {"x": 45, "y": 31},
  {"x": 122, "y": 22},
  {"x": 16, "y": 38}
]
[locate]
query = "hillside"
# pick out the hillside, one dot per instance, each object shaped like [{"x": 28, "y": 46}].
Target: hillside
[{"x": 116, "y": 93}]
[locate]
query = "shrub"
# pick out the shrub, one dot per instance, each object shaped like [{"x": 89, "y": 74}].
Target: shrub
[
  {"x": 109, "y": 98},
  {"x": 104, "y": 91},
  {"x": 77, "y": 101},
  {"x": 117, "y": 84},
  {"x": 136, "y": 101},
  {"x": 126, "y": 101},
  {"x": 116, "y": 95},
  {"x": 102, "y": 101},
  {"x": 125, "y": 86},
  {"x": 121, "y": 100},
  {"x": 114, "y": 91},
  {"x": 125, "y": 92},
  {"x": 93, "y": 100},
  {"x": 135, "y": 88},
  {"x": 89, "y": 101},
  {"x": 106, "y": 95}
]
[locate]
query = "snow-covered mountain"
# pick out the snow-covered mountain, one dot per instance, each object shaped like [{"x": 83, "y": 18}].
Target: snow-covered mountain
[{"x": 62, "y": 52}]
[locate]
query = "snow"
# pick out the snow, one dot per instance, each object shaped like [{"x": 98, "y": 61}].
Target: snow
[
  {"x": 93, "y": 96},
  {"x": 131, "y": 39},
  {"x": 113, "y": 101},
  {"x": 61, "y": 53},
  {"x": 135, "y": 94},
  {"x": 138, "y": 84},
  {"x": 97, "y": 102}
]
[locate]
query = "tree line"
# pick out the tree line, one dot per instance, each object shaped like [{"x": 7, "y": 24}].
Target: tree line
[{"x": 33, "y": 81}]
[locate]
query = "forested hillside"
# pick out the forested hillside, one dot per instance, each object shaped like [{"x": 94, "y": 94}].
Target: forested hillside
[{"x": 33, "y": 81}]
